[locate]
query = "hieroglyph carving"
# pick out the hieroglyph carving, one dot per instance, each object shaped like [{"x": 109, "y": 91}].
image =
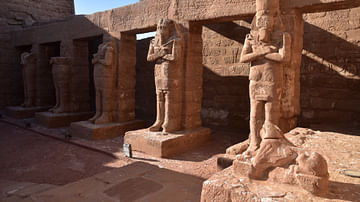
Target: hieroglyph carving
[
  {"x": 28, "y": 60},
  {"x": 166, "y": 50},
  {"x": 61, "y": 76},
  {"x": 103, "y": 77},
  {"x": 268, "y": 48}
]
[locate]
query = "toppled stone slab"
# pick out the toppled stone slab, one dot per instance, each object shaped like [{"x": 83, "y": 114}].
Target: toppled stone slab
[
  {"x": 88, "y": 130},
  {"x": 53, "y": 120},
  {"x": 159, "y": 144}
]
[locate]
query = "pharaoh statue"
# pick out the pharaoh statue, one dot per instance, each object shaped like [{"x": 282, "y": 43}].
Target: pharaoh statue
[
  {"x": 268, "y": 48},
  {"x": 61, "y": 75},
  {"x": 166, "y": 51},
  {"x": 103, "y": 77},
  {"x": 28, "y": 60}
]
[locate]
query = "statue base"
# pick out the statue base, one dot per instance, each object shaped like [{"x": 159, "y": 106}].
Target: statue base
[
  {"x": 19, "y": 112},
  {"x": 52, "y": 120},
  {"x": 88, "y": 130},
  {"x": 160, "y": 145}
]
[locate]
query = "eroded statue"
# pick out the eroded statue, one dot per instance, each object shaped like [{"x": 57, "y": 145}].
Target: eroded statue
[
  {"x": 268, "y": 48},
  {"x": 28, "y": 60},
  {"x": 103, "y": 77},
  {"x": 61, "y": 71},
  {"x": 166, "y": 50}
]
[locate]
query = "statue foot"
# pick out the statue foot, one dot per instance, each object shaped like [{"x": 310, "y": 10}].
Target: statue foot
[
  {"x": 92, "y": 120},
  {"x": 59, "y": 110},
  {"x": 102, "y": 119},
  {"x": 238, "y": 148},
  {"x": 251, "y": 150},
  {"x": 155, "y": 127}
]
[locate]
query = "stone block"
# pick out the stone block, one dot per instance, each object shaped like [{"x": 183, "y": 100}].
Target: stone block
[
  {"x": 52, "y": 120},
  {"x": 159, "y": 145},
  {"x": 88, "y": 130},
  {"x": 22, "y": 112}
]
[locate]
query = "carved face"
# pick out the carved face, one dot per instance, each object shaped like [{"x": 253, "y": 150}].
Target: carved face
[
  {"x": 265, "y": 24},
  {"x": 163, "y": 27}
]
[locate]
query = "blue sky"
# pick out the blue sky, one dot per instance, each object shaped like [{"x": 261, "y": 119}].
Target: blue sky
[{"x": 92, "y": 6}]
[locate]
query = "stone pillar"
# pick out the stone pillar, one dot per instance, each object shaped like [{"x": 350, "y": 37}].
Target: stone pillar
[
  {"x": 290, "y": 103},
  {"x": 193, "y": 76}
]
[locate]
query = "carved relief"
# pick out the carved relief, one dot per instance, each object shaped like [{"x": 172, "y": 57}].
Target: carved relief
[
  {"x": 61, "y": 76},
  {"x": 166, "y": 50},
  {"x": 103, "y": 77},
  {"x": 28, "y": 60}
]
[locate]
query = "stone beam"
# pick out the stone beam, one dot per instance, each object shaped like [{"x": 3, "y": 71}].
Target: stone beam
[{"x": 143, "y": 16}]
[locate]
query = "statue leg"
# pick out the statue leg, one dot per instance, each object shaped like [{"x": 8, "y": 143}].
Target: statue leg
[
  {"x": 105, "y": 102},
  {"x": 63, "y": 98},
  {"x": 272, "y": 112},
  {"x": 57, "y": 96},
  {"x": 98, "y": 104},
  {"x": 172, "y": 119},
  {"x": 160, "y": 111},
  {"x": 26, "y": 92},
  {"x": 256, "y": 122}
]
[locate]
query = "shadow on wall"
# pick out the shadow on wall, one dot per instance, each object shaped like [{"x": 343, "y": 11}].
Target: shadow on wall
[
  {"x": 145, "y": 95},
  {"x": 225, "y": 80},
  {"x": 330, "y": 77}
]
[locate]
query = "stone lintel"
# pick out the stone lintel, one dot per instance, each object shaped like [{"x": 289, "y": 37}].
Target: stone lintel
[
  {"x": 52, "y": 120},
  {"x": 160, "y": 145},
  {"x": 88, "y": 130},
  {"x": 19, "y": 112}
]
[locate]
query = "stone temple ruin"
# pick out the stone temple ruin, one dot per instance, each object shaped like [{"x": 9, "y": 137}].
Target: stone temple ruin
[{"x": 259, "y": 68}]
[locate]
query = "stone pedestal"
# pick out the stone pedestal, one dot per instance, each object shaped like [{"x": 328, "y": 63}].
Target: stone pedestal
[
  {"x": 23, "y": 112},
  {"x": 88, "y": 130},
  {"x": 53, "y": 120},
  {"x": 159, "y": 145}
]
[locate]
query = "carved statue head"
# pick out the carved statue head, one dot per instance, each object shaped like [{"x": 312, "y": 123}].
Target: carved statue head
[
  {"x": 264, "y": 21},
  {"x": 164, "y": 28},
  {"x": 311, "y": 164}
]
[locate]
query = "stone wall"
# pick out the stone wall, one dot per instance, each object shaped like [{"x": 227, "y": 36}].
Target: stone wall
[
  {"x": 327, "y": 94},
  {"x": 16, "y": 15},
  {"x": 330, "y": 71}
]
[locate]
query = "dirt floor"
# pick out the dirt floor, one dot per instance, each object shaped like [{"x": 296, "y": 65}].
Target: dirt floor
[
  {"x": 27, "y": 155},
  {"x": 45, "y": 156}
]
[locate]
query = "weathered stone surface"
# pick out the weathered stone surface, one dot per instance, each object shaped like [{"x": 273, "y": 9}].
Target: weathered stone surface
[
  {"x": 341, "y": 155},
  {"x": 166, "y": 145},
  {"x": 87, "y": 130},
  {"x": 52, "y": 120},
  {"x": 22, "y": 113}
]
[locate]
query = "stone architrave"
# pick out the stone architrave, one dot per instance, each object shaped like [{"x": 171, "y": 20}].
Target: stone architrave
[
  {"x": 61, "y": 76},
  {"x": 166, "y": 50},
  {"x": 28, "y": 60},
  {"x": 104, "y": 83},
  {"x": 268, "y": 48},
  {"x": 168, "y": 136}
]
